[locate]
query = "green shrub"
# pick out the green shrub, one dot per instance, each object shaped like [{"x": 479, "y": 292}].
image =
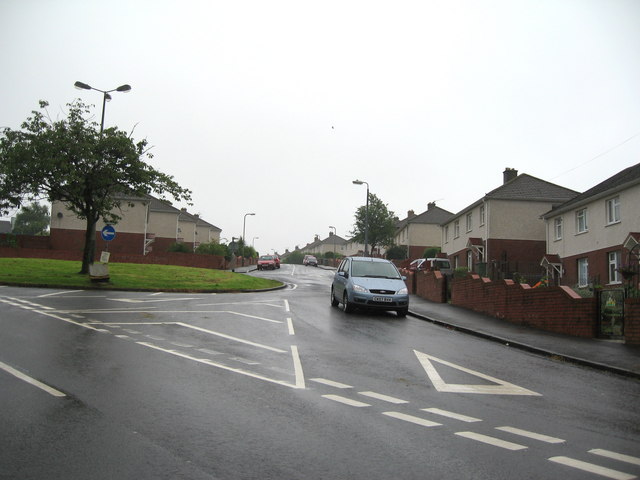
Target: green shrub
[
  {"x": 212, "y": 249},
  {"x": 179, "y": 247},
  {"x": 397, "y": 252},
  {"x": 460, "y": 272},
  {"x": 295, "y": 258},
  {"x": 431, "y": 252}
]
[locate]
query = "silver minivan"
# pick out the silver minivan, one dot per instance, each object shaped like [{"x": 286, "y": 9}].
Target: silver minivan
[{"x": 373, "y": 283}]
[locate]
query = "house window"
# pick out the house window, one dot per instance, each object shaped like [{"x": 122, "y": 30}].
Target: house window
[
  {"x": 557, "y": 228},
  {"x": 613, "y": 210},
  {"x": 482, "y": 215},
  {"x": 614, "y": 264},
  {"x": 469, "y": 222},
  {"x": 446, "y": 234},
  {"x": 470, "y": 260},
  {"x": 583, "y": 272},
  {"x": 456, "y": 229},
  {"x": 581, "y": 221}
]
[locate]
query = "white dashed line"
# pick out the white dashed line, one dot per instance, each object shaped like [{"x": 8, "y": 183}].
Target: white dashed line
[
  {"x": 456, "y": 416},
  {"x": 616, "y": 456},
  {"x": 535, "y": 436},
  {"x": 591, "y": 468},
  {"x": 496, "y": 442},
  {"x": 410, "y": 418},
  {"x": 384, "y": 398},
  {"x": 31, "y": 381},
  {"x": 346, "y": 401},
  {"x": 330, "y": 383}
]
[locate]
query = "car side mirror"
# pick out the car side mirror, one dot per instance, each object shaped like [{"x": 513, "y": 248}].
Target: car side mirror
[
  {"x": 404, "y": 277},
  {"x": 343, "y": 274}
]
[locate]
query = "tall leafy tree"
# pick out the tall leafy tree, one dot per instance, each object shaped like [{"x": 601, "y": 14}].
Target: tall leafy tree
[
  {"x": 71, "y": 161},
  {"x": 382, "y": 223},
  {"x": 32, "y": 219}
]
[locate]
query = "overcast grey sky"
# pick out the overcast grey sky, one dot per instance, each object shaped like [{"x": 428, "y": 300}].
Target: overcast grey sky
[{"x": 274, "y": 107}]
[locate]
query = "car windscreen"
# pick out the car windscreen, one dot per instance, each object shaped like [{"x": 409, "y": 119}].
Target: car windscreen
[
  {"x": 266, "y": 257},
  {"x": 374, "y": 270}
]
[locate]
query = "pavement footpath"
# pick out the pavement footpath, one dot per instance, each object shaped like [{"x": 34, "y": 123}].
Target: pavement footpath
[{"x": 609, "y": 355}]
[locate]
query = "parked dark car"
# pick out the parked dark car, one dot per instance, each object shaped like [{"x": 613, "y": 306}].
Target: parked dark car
[{"x": 310, "y": 260}]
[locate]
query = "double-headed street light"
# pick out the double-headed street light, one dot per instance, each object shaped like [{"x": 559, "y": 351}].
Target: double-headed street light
[
  {"x": 105, "y": 96},
  {"x": 366, "y": 216}
]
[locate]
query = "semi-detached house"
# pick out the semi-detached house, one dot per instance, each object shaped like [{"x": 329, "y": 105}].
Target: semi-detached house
[
  {"x": 503, "y": 233},
  {"x": 147, "y": 224},
  {"x": 419, "y": 232},
  {"x": 595, "y": 233}
]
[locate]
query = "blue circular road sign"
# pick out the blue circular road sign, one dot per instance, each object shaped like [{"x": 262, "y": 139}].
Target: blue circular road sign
[{"x": 108, "y": 233}]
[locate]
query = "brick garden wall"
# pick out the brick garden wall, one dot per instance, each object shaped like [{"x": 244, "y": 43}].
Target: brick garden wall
[
  {"x": 555, "y": 309},
  {"x": 432, "y": 286},
  {"x": 165, "y": 258},
  {"x": 632, "y": 321}
]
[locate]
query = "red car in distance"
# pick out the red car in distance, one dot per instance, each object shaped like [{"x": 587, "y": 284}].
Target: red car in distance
[{"x": 267, "y": 262}]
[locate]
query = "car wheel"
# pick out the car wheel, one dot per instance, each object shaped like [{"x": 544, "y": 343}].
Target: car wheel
[
  {"x": 403, "y": 312},
  {"x": 334, "y": 300},
  {"x": 347, "y": 307}
]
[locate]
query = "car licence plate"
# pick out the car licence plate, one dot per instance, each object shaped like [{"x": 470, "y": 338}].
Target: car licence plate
[{"x": 382, "y": 299}]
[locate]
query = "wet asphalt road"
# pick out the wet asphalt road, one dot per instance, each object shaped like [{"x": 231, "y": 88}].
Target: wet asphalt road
[{"x": 279, "y": 385}]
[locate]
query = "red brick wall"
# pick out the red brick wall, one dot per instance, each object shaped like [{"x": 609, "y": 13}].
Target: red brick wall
[
  {"x": 67, "y": 239},
  {"x": 556, "y": 309},
  {"x": 632, "y": 321},
  {"x": 28, "y": 241},
  {"x": 166, "y": 258},
  {"x": 410, "y": 281},
  {"x": 431, "y": 286}
]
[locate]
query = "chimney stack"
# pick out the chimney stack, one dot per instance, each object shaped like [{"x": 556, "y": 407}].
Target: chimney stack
[
  {"x": 411, "y": 214},
  {"x": 509, "y": 174},
  {"x": 431, "y": 205}
]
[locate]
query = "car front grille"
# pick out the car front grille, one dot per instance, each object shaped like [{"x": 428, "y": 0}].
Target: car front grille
[{"x": 383, "y": 292}]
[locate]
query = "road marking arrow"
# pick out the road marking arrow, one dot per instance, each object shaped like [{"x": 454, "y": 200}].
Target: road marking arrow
[{"x": 500, "y": 388}]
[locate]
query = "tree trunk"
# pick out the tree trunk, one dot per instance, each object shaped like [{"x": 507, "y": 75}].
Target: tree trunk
[{"x": 89, "y": 251}]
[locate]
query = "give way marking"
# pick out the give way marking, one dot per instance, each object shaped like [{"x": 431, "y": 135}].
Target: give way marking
[{"x": 500, "y": 387}]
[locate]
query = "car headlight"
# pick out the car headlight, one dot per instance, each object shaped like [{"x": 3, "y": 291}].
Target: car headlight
[
  {"x": 359, "y": 289},
  {"x": 403, "y": 291}
]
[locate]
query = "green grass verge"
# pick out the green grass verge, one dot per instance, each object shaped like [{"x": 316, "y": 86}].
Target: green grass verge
[{"x": 127, "y": 276}]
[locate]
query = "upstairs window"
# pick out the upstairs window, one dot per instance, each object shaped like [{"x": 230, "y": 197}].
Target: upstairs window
[
  {"x": 581, "y": 221},
  {"x": 446, "y": 234},
  {"x": 557, "y": 228},
  {"x": 469, "y": 222},
  {"x": 456, "y": 229},
  {"x": 613, "y": 210},
  {"x": 482, "y": 215}
]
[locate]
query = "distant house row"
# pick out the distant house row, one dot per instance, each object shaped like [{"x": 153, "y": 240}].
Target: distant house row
[
  {"x": 147, "y": 223},
  {"x": 532, "y": 227},
  {"x": 335, "y": 244}
]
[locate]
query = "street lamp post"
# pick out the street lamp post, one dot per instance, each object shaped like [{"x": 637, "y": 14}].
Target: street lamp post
[
  {"x": 244, "y": 242},
  {"x": 366, "y": 216},
  {"x": 334, "y": 244},
  {"x": 105, "y": 97}
]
